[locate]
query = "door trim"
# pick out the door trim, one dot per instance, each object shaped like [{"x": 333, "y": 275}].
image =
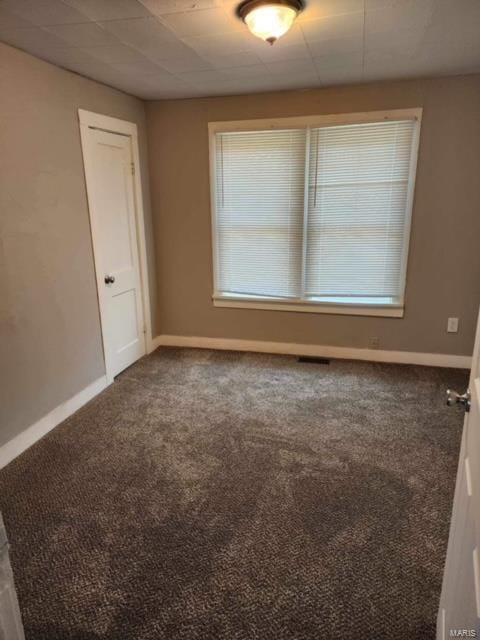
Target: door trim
[{"x": 90, "y": 120}]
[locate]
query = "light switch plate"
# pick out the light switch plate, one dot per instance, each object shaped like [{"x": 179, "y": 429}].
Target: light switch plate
[{"x": 452, "y": 325}]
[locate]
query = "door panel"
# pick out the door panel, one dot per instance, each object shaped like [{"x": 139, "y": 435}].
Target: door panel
[
  {"x": 115, "y": 203},
  {"x": 112, "y": 205},
  {"x": 472, "y": 427},
  {"x": 459, "y": 611},
  {"x": 125, "y": 332}
]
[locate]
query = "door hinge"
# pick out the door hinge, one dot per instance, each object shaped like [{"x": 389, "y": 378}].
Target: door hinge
[{"x": 132, "y": 165}]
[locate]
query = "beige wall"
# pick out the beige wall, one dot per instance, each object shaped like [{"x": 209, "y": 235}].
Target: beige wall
[
  {"x": 50, "y": 343},
  {"x": 444, "y": 262}
]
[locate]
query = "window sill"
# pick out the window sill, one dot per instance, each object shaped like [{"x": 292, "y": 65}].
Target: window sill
[{"x": 347, "y": 308}]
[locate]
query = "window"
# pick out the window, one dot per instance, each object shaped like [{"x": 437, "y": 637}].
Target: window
[{"x": 314, "y": 214}]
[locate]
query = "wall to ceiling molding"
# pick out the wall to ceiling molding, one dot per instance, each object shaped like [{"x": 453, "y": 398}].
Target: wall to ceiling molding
[
  {"x": 444, "y": 263},
  {"x": 50, "y": 341}
]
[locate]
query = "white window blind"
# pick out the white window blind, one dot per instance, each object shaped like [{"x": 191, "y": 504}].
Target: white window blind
[
  {"x": 314, "y": 214},
  {"x": 260, "y": 199},
  {"x": 358, "y": 188}
]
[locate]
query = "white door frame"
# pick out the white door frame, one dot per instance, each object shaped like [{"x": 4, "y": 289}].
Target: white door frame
[{"x": 90, "y": 120}]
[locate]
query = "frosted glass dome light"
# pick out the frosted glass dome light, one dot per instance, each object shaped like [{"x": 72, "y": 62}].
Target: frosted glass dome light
[{"x": 269, "y": 20}]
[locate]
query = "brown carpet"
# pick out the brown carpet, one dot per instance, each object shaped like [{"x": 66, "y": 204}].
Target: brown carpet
[{"x": 213, "y": 495}]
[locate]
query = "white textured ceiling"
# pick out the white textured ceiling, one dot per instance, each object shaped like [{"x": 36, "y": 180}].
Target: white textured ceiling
[{"x": 185, "y": 48}]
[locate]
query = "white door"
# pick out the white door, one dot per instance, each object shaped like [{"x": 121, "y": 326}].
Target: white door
[
  {"x": 109, "y": 171},
  {"x": 459, "y": 612}
]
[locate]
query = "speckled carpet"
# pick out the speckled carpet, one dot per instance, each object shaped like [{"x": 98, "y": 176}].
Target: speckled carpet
[{"x": 216, "y": 495}]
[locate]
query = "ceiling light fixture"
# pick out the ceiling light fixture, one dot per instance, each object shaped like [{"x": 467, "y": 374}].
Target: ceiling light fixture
[{"x": 269, "y": 20}]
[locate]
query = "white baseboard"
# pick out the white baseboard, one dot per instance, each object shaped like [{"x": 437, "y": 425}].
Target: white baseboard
[
  {"x": 290, "y": 348},
  {"x": 25, "y": 439}
]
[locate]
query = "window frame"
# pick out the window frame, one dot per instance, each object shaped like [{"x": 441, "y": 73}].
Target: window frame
[{"x": 394, "y": 309}]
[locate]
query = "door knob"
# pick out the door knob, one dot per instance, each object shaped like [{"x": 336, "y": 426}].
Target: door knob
[
  {"x": 109, "y": 279},
  {"x": 458, "y": 398}
]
